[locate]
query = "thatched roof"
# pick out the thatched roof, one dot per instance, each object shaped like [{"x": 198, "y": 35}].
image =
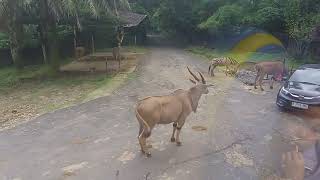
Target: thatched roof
[{"x": 131, "y": 19}]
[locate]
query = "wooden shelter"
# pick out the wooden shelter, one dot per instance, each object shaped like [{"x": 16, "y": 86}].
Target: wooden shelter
[{"x": 133, "y": 24}]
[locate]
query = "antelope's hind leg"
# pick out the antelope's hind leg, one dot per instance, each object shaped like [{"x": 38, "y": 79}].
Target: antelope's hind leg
[
  {"x": 173, "y": 132},
  {"x": 260, "y": 81},
  {"x": 255, "y": 81},
  {"x": 179, "y": 127},
  {"x": 272, "y": 82}
]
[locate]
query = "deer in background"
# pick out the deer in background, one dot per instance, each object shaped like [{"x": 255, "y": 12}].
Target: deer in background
[
  {"x": 223, "y": 61},
  {"x": 79, "y": 52},
  {"x": 173, "y": 108},
  {"x": 274, "y": 68},
  {"x": 116, "y": 52}
]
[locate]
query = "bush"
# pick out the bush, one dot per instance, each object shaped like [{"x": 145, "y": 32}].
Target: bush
[
  {"x": 226, "y": 20},
  {"x": 4, "y": 41}
]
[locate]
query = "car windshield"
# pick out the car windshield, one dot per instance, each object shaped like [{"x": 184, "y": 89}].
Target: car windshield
[
  {"x": 311, "y": 76},
  {"x": 159, "y": 89}
]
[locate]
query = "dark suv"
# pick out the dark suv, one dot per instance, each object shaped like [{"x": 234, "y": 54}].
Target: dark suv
[{"x": 302, "y": 90}]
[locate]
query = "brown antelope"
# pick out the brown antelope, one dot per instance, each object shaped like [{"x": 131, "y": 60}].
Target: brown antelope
[
  {"x": 274, "y": 68},
  {"x": 224, "y": 61},
  {"x": 116, "y": 52},
  {"x": 173, "y": 108},
  {"x": 79, "y": 52}
]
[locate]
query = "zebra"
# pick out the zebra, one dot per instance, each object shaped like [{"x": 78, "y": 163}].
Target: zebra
[{"x": 223, "y": 61}]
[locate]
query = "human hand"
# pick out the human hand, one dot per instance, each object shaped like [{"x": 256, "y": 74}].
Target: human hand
[{"x": 293, "y": 165}]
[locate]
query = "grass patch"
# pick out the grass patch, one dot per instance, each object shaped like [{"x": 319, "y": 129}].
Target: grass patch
[
  {"x": 11, "y": 77},
  {"x": 132, "y": 49},
  {"x": 206, "y": 52},
  {"x": 136, "y": 49}
]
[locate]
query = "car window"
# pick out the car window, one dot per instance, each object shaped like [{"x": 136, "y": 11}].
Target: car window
[{"x": 308, "y": 76}]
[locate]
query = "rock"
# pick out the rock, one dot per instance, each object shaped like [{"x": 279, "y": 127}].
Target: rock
[
  {"x": 247, "y": 77},
  {"x": 70, "y": 170}
]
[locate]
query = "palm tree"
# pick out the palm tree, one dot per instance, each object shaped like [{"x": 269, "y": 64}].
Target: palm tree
[
  {"x": 51, "y": 11},
  {"x": 10, "y": 10},
  {"x": 48, "y": 13}
]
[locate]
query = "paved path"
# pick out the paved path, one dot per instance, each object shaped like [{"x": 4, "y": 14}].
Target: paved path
[{"x": 98, "y": 140}]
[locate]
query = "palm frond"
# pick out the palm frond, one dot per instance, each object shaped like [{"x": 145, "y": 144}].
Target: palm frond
[
  {"x": 3, "y": 8},
  {"x": 125, "y": 4}
]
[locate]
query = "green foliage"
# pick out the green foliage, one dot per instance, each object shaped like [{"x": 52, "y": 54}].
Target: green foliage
[
  {"x": 300, "y": 17},
  {"x": 176, "y": 17},
  {"x": 269, "y": 18},
  {"x": 4, "y": 41},
  {"x": 31, "y": 38},
  {"x": 138, "y": 8},
  {"x": 206, "y": 52},
  {"x": 10, "y": 77},
  {"x": 226, "y": 19}
]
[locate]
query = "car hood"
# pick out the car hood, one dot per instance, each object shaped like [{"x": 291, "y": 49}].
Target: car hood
[{"x": 303, "y": 89}]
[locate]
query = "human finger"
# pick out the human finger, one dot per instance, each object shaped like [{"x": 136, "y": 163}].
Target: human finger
[
  {"x": 300, "y": 156},
  {"x": 295, "y": 155},
  {"x": 288, "y": 156},
  {"x": 283, "y": 157}
]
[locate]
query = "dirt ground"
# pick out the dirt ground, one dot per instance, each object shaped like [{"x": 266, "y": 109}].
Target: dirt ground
[{"x": 233, "y": 135}]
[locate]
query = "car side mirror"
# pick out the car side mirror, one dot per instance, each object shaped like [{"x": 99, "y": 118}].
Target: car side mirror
[{"x": 285, "y": 78}]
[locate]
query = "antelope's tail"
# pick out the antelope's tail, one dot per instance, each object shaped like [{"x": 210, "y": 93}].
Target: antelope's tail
[{"x": 145, "y": 124}]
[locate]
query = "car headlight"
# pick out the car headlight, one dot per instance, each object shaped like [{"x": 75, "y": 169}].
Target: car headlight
[{"x": 284, "y": 91}]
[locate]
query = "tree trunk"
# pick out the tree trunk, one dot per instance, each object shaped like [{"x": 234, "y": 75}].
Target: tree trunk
[
  {"x": 15, "y": 33},
  {"x": 115, "y": 8},
  {"x": 43, "y": 45},
  {"x": 49, "y": 35},
  {"x": 54, "y": 58}
]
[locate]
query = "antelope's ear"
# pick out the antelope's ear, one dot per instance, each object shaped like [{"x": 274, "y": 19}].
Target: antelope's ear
[{"x": 192, "y": 81}]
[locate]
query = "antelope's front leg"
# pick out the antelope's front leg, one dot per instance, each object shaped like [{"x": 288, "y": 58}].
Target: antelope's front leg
[
  {"x": 271, "y": 82},
  {"x": 143, "y": 144},
  {"x": 260, "y": 81},
  {"x": 255, "y": 81},
  {"x": 179, "y": 127},
  {"x": 173, "y": 132}
]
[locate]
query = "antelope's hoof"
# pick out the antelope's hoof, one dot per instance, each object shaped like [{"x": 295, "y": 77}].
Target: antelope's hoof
[
  {"x": 255, "y": 87},
  {"x": 148, "y": 154},
  {"x": 179, "y": 143},
  {"x": 173, "y": 139},
  {"x": 262, "y": 89},
  {"x": 271, "y": 87}
]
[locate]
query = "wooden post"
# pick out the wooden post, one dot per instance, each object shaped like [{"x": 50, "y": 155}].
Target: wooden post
[
  {"x": 135, "y": 39},
  {"x": 75, "y": 40},
  {"x": 106, "y": 65},
  {"x": 44, "y": 53},
  {"x": 92, "y": 44}
]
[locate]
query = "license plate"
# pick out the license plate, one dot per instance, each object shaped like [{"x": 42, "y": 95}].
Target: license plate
[{"x": 300, "y": 105}]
